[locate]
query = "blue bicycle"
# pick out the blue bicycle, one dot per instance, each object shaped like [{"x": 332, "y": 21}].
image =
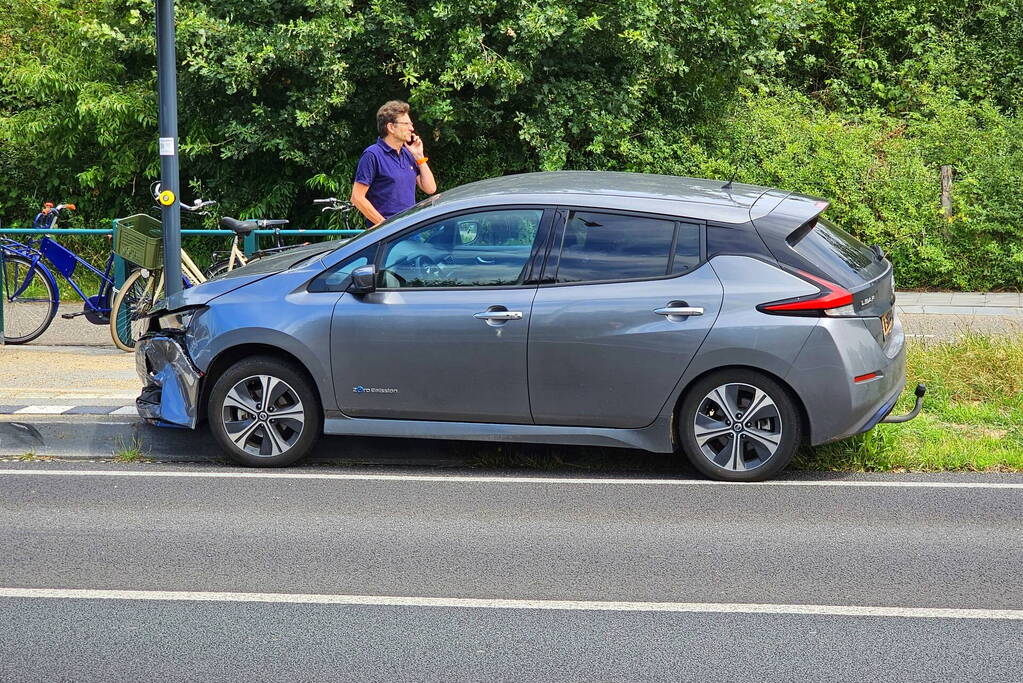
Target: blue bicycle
[{"x": 31, "y": 296}]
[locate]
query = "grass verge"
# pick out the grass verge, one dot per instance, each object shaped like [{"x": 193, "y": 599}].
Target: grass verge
[{"x": 972, "y": 418}]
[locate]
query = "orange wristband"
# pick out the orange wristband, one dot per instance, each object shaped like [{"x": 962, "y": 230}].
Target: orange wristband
[{"x": 422, "y": 161}]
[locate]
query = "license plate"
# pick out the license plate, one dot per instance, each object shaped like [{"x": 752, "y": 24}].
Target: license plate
[{"x": 887, "y": 322}]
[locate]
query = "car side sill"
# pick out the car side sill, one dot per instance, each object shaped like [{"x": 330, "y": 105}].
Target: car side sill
[{"x": 655, "y": 437}]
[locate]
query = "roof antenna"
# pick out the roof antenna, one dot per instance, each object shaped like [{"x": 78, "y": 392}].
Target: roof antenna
[{"x": 735, "y": 171}]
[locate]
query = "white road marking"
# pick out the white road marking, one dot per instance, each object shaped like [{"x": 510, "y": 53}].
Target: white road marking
[
  {"x": 73, "y": 395},
  {"x": 42, "y": 410},
  {"x": 493, "y": 603},
  {"x": 125, "y": 410},
  {"x": 492, "y": 479}
]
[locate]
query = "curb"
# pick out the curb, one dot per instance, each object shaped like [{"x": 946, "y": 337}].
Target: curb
[
  {"x": 102, "y": 437},
  {"x": 92, "y": 435},
  {"x": 932, "y": 309}
]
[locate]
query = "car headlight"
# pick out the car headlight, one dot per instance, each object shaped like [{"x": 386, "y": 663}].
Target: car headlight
[{"x": 177, "y": 320}]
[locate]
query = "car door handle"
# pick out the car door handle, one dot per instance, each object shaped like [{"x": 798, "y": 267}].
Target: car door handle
[
  {"x": 498, "y": 315},
  {"x": 480, "y": 259},
  {"x": 679, "y": 311}
]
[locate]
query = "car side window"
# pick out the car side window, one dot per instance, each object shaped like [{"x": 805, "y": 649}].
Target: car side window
[
  {"x": 687, "y": 248},
  {"x": 335, "y": 278},
  {"x": 482, "y": 249},
  {"x": 605, "y": 246}
]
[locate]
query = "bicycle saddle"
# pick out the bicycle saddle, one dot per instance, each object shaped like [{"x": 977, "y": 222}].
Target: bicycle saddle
[{"x": 245, "y": 227}]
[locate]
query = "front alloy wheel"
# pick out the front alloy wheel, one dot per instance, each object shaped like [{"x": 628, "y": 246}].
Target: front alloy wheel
[
  {"x": 264, "y": 412},
  {"x": 263, "y": 416}
]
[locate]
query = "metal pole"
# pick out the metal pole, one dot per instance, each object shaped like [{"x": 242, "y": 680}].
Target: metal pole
[{"x": 167, "y": 84}]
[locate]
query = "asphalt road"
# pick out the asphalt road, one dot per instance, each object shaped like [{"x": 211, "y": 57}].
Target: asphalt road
[{"x": 390, "y": 574}]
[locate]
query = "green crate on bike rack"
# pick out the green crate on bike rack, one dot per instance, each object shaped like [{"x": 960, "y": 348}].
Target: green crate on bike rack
[{"x": 139, "y": 239}]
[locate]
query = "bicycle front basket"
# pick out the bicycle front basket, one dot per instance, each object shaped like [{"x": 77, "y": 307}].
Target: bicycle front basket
[{"x": 139, "y": 239}]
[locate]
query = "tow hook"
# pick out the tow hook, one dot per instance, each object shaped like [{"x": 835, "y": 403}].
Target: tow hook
[{"x": 920, "y": 391}]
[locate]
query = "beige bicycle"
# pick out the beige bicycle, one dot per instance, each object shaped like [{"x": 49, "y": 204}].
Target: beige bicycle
[
  {"x": 139, "y": 239},
  {"x": 224, "y": 262}
]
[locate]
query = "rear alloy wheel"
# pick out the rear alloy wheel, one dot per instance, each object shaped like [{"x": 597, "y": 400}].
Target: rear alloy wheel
[
  {"x": 739, "y": 425},
  {"x": 264, "y": 413}
]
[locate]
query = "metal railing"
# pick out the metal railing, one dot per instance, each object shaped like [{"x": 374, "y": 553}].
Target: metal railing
[{"x": 250, "y": 245}]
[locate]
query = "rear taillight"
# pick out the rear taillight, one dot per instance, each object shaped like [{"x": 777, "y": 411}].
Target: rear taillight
[{"x": 830, "y": 300}]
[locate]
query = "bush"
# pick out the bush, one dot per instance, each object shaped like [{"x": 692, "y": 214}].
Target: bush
[
  {"x": 278, "y": 96},
  {"x": 882, "y": 174}
]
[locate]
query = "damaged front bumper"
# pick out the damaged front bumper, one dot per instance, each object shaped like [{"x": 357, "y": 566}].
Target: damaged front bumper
[{"x": 171, "y": 382}]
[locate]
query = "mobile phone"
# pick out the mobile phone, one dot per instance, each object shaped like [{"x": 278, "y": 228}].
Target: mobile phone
[{"x": 413, "y": 139}]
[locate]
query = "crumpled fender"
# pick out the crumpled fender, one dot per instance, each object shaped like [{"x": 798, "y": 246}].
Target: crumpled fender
[{"x": 170, "y": 392}]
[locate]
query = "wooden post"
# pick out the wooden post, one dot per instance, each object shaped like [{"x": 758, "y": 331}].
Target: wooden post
[{"x": 946, "y": 191}]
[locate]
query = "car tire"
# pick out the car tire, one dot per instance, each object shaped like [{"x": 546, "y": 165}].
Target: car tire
[
  {"x": 254, "y": 433},
  {"x": 760, "y": 446}
]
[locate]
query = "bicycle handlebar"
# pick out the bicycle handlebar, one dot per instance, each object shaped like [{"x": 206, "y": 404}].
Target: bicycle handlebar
[
  {"x": 335, "y": 204},
  {"x": 48, "y": 207},
  {"x": 197, "y": 205}
]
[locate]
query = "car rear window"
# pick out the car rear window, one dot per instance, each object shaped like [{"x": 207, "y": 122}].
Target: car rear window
[{"x": 838, "y": 254}]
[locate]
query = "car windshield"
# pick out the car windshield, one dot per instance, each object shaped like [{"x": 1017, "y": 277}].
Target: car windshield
[{"x": 425, "y": 204}]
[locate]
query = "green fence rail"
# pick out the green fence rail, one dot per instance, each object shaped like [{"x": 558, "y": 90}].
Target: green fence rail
[{"x": 250, "y": 245}]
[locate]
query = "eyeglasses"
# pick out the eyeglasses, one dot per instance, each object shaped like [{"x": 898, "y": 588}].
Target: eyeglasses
[{"x": 401, "y": 123}]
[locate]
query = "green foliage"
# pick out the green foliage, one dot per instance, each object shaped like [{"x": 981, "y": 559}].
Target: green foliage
[
  {"x": 891, "y": 53},
  {"x": 857, "y": 101},
  {"x": 279, "y": 95},
  {"x": 881, "y": 173}
]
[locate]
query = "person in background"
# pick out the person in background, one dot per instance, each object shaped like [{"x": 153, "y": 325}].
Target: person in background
[{"x": 391, "y": 168}]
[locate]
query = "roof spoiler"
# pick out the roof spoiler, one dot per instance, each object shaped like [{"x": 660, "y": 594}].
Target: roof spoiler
[{"x": 777, "y": 210}]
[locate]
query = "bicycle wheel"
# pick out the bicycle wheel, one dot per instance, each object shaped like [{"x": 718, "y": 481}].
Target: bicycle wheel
[
  {"x": 136, "y": 297},
  {"x": 30, "y": 300},
  {"x": 218, "y": 268}
]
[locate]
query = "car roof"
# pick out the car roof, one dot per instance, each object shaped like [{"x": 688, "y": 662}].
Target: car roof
[
  {"x": 586, "y": 186},
  {"x": 676, "y": 196}
]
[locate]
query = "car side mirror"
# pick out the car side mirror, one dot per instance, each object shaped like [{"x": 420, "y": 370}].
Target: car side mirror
[{"x": 364, "y": 280}]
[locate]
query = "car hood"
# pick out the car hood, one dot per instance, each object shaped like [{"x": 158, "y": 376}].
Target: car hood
[
  {"x": 200, "y": 295},
  {"x": 275, "y": 263}
]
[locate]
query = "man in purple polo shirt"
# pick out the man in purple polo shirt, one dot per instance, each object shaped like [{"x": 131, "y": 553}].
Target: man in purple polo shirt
[{"x": 391, "y": 168}]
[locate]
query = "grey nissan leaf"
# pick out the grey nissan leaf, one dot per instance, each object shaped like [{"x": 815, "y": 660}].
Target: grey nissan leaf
[{"x": 730, "y": 323}]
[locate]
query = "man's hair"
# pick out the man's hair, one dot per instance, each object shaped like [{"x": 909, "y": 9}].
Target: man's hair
[{"x": 389, "y": 113}]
